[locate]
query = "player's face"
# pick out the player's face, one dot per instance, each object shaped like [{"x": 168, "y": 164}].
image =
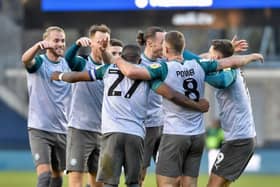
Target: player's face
[
  {"x": 116, "y": 51},
  {"x": 98, "y": 36},
  {"x": 57, "y": 39},
  {"x": 165, "y": 49},
  {"x": 214, "y": 54},
  {"x": 156, "y": 45}
]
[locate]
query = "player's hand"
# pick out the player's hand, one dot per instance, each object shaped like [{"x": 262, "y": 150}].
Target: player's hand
[
  {"x": 55, "y": 75},
  {"x": 239, "y": 45},
  {"x": 203, "y": 105},
  {"x": 258, "y": 57},
  {"x": 104, "y": 43},
  {"x": 117, "y": 60},
  {"x": 45, "y": 45},
  {"x": 83, "y": 42}
]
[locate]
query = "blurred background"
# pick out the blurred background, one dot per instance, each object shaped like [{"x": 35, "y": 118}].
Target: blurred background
[{"x": 22, "y": 23}]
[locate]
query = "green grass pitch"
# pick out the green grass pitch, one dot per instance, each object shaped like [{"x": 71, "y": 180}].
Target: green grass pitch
[{"x": 28, "y": 179}]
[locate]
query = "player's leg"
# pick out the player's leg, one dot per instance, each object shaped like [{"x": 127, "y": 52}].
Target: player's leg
[
  {"x": 92, "y": 161},
  {"x": 231, "y": 162},
  {"x": 110, "y": 159},
  {"x": 58, "y": 159},
  {"x": 40, "y": 148},
  {"x": 216, "y": 181},
  {"x": 151, "y": 145},
  {"x": 75, "y": 157},
  {"x": 163, "y": 181},
  {"x": 134, "y": 148},
  {"x": 192, "y": 161},
  {"x": 170, "y": 159}
]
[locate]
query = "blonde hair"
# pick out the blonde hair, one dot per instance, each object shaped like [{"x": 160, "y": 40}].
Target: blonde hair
[{"x": 50, "y": 29}]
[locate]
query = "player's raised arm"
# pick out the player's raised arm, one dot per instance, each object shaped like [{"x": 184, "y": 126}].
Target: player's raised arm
[
  {"x": 75, "y": 62},
  {"x": 28, "y": 57},
  {"x": 202, "y": 105}
]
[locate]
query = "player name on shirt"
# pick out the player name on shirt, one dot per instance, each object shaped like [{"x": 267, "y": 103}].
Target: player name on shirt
[{"x": 185, "y": 73}]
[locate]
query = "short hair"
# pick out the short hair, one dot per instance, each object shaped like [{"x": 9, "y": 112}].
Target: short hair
[
  {"x": 176, "y": 41},
  {"x": 116, "y": 42},
  {"x": 101, "y": 28},
  {"x": 225, "y": 47},
  {"x": 50, "y": 29},
  {"x": 131, "y": 53},
  {"x": 149, "y": 33}
]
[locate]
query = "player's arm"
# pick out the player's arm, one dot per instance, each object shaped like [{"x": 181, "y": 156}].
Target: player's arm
[
  {"x": 202, "y": 105},
  {"x": 72, "y": 77},
  {"x": 28, "y": 58},
  {"x": 75, "y": 62},
  {"x": 132, "y": 71},
  {"x": 237, "y": 61}
]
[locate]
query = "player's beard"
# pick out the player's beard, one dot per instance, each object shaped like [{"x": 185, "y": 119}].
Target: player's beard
[
  {"x": 58, "y": 51},
  {"x": 159, "y": 53}
]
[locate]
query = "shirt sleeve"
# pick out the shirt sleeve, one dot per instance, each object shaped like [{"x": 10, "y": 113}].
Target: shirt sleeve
[
  {"x": 98, "y": 73},
  {"x": 36, "y": 66},
  {"x": 188, "y": 55},
  {"x": 208, "y": 65},
  {"x": 155, "y": 84},
  {"x": 221, "y": 79},
  {"x": 76, "y": 63},
  {"x": 158, "y": 70}
]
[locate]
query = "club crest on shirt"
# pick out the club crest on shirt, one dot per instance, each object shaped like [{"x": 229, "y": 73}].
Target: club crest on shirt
[{"x": 155, "y": 65}]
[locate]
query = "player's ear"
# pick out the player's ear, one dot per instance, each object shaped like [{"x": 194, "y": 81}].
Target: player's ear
[{"x": 149, "y": 42}]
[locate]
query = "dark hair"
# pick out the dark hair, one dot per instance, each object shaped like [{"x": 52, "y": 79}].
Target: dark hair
[
  {"x": 116, "y": 42},
  {"x": 225, "y": 47},
  {"x": 131, "y": 53},
  {"x": 101, "y": 28},
  {"x": 176, "y": 41},
  {"x": 149, "y": 33}
]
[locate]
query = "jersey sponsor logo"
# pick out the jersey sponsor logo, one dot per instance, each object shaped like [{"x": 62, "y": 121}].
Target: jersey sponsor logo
[
  {"x": 155, "y": 65},
  {"x": 185, "y": 73}
]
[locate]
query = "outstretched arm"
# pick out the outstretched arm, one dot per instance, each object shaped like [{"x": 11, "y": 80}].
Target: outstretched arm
[
  {"x": 238, "y": 61},
  {"x": 132, "y": 71},
  {"x": 71, "y": 77},
  {"x": 202, "y": 105}
]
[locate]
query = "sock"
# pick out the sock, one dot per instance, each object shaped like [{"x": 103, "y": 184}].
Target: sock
[
  {"x": 44, "y": 179},
  {"x": 56, "y": 182}
]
